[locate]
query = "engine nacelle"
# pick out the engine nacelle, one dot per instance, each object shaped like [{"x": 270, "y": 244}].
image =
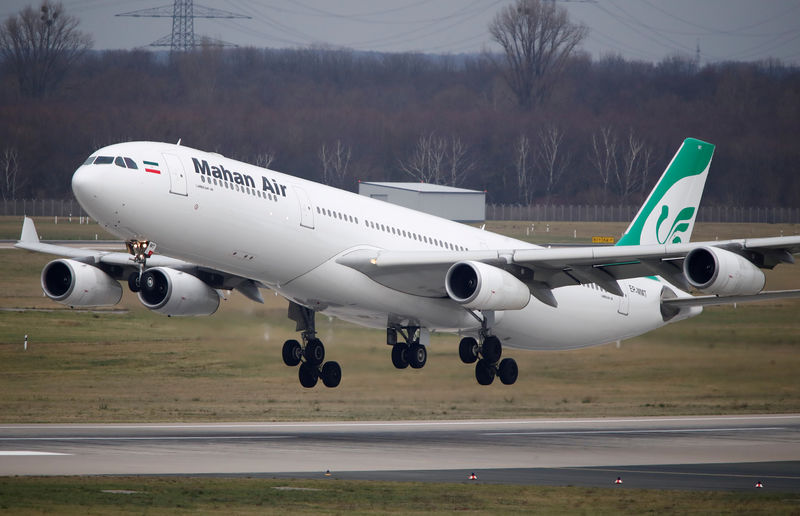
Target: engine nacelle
[
  {"x": 75, "y": 283},
  {"x": 716, "y": 271},
  {"x": 172, "y": 292},
  {"x": 479, "y": 286}
]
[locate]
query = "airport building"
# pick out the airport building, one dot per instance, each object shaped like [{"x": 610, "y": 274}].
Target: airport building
[{"x": 457, "y": 204}]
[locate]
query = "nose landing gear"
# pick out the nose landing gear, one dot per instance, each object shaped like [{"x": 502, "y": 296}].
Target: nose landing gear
[{"x": 311, "y": 354}]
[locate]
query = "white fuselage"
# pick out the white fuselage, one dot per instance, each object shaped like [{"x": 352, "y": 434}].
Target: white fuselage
[{"x": 287, "y": 233}]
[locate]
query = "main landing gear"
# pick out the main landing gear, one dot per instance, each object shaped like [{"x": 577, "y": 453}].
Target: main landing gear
[
  {"x": 311, "y": 353},
  {"x": 487, "y": 354},
  {"x": 412, "y": 352}
]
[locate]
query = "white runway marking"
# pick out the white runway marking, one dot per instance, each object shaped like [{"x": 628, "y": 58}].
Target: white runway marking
[
  {"x": 368, "y": 424},
  {"x": 163, "y": 438},
  {"x": 659, "y": 431},
  {"x": 27, "y": 453}
]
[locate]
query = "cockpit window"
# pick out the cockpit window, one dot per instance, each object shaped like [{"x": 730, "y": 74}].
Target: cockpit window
[
  {"x": 119, "y": 162},
  {"x": 131, "y": 163},
  {"x": 89, "y": 160},
  {"x": 103, "y": 160}
]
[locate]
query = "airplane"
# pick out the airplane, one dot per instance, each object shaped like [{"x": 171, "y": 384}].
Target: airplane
[{"x": 220, "y": 224}]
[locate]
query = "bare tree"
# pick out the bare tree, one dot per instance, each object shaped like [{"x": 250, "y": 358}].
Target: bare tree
[
  {"x": 537, "y": 38},
  {"x": 628, "y": 175},
  {"x": 551, "y": 159},
  {"x": 335, "y": 161},
  {"x": 604, "y": 156},
  {"x": 264, "y": 159},
  {"x": 427, "y": 161},
  {"x": 439, "y": 160},
  {"x": 459, "y": 163},
  {"x": 40, "y": 46},
  {"x": 522, "y": 148},
  {"x": 9, "y": 168}
]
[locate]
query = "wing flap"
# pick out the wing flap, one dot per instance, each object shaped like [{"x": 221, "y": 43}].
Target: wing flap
[
  {"x": 686, "y": 302},
  {"x": 423, "y": 272}
]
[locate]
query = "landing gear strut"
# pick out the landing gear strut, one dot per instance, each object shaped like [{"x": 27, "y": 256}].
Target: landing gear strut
[
  {"x": 487, "y": 354},
  {"x": 412, "y": 352},
  {"x": 311, "y": 353}
]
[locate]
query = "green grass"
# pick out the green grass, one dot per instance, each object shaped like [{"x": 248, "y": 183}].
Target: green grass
[
  {"x": 179, "y": 495},
  {"x": 84, "y": 366}
]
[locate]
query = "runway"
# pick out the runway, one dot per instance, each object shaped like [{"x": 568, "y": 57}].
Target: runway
[{"x": 718, "y": 452}]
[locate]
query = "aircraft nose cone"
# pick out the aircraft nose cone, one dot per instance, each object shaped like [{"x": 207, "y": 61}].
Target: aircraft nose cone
[{"x": 85, "y": 185}]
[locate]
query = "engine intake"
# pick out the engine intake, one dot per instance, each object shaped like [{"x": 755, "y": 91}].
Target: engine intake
[
  {"x": 172, "y": 292},
  {"x": 75, "y": 283},
  {"x": 479, "y": 286},
  {"x": 716, "y": 271}
]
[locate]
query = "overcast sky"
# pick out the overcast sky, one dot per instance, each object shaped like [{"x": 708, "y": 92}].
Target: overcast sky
[{"x": 637, "y": 29}]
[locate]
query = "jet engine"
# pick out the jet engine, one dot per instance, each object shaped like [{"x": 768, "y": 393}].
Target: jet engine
[
  {"x": 716, "y": 271},
  {"x": 75, "y": 283},
  {"x": 172, "y": 292},
  {"x": 479, "y": 286}
]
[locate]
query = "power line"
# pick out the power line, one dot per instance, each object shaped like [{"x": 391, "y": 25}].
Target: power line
[{"x": 183, "y": 14}]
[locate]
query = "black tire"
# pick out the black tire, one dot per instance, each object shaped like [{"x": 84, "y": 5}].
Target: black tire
[
  {"x": 315, "y": 352},
  {"x": 417, "y": 356},
  {"x": 331, "y": 374},
  {"x": 468, "y": 350},
  {"x": 308, "y": 375},
  {"x": 508, "y": 371},
  {"x": 491, "y": 349},
  {"x": 292, "y": 352},
  {"x": 400, "y": 356},
  {"x": 133, "y": 282},
  {"x": 484, "y": 372}
]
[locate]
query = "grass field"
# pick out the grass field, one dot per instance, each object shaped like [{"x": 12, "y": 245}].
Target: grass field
[
  {"x": 136, "y": 366},
  {"x": 177, "y": 495},
  {"x": 139, "y": 366}
]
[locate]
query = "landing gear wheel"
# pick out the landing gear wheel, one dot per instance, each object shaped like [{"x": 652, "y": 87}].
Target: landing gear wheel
[
  {"x": 331, "y": 374},
  {"x": 315, "y": 352},
  {"x": 468, "y": 350},
  {"x": 417, "y": 356},
  {"x": 508, "y": 371},
  {"x": 292, "y": 351},
  {"x": 134, "y": 283},
  {"x": 400, "y": 356},
  {"x": 484, "y": 372},
  {"x": 308, "y": 375},
  {"x": 491, "y": 349}
]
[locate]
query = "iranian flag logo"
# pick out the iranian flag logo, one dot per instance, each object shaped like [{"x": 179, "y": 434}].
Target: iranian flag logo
[{"x": 152, "y": 167}]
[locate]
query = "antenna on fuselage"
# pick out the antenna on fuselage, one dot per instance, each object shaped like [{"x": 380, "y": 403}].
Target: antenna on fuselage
[{"x": 179, "y": 142}]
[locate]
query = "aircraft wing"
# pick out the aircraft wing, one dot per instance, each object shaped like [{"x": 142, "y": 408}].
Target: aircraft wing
[
  {"x": 122, "y": 264},
  {"x": 542, "y": 269}
]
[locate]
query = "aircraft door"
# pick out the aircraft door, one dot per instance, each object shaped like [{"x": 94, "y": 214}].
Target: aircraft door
[
  {"x": 306, "y": 211},
  {"x": 177, "y": 175}
]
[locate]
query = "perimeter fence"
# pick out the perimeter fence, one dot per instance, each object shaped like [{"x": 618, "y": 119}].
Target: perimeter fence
[
  {"x": 625, "y": 213},
  {"x": 559, "y": 212}
]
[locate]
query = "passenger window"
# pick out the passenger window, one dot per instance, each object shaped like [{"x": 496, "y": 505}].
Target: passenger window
[
  {"x": 119, "y": 162},
  {"x": 89, "y": 160},
  {"x": 103, "y": 160},
  {"x": 131, "y": 163}
]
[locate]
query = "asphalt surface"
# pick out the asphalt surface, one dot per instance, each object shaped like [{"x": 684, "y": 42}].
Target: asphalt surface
[{"x": 712, "y": 453}]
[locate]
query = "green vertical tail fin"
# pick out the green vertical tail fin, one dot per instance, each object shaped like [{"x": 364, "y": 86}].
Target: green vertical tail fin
[{"x": 668, "y": 214}]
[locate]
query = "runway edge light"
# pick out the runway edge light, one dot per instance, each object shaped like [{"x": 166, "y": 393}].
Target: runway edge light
[
  {"x": 759, "y": 485},
  {"x": 473, "y": 476},
  {"x": 618, "y": 480}
]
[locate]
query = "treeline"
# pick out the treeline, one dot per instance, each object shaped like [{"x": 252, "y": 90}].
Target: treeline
[{"x": 604, "y": 134}]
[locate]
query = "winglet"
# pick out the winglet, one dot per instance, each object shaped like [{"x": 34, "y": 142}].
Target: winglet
[
  {"x": 29, "y": 235},
  {"x": 668, "y": 214}
]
